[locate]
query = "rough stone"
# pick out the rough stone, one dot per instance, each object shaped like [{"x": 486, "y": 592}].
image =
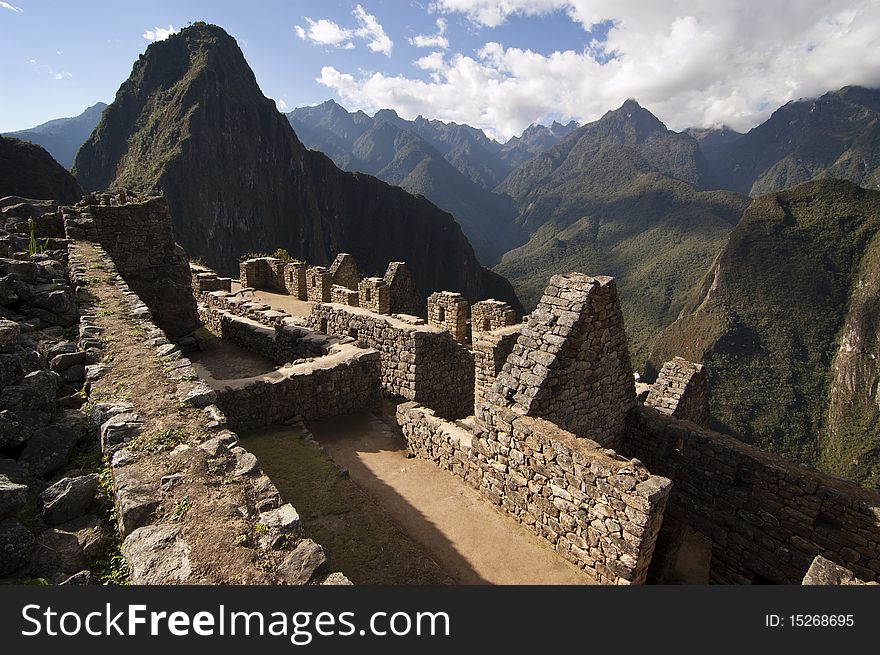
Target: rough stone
[
  {"x": 62, "y": 551},
  {"x": 302, "y": 563},
  {"x": 12, "y": 497},
  {"x": 157, "y": 555},
  {"x": 68, "y": 498},
  {"x": 16, "y": 543}
]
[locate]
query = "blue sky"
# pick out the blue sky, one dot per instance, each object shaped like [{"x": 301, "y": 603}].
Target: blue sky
[{"x": 496, "y": 64}]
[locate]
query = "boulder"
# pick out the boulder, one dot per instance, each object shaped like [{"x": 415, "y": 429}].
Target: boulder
[
  {"x": 13, "y": 497},
  {"x": 62, "y": 361},
  {"x": 9, "y": 333},
  {"x": 302, "y": 563},
  {"x": 137, "y": 498},
  {"x": 16, "y": 543},
  {"x": 67, "y": 499},
  {"x": 36, "y": 391},
  {"x": 11, "y": 370},
  {"x": 69, "y": 548},
  {"x": 18, "y": 427},
  {"x": 49, "y": 448},
  {"x": 157, "y": 555},
  {"x": 119, "y": 429}
]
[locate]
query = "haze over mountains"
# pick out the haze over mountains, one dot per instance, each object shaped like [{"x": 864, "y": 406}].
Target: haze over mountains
[
  {"x": 719, "y": 256},
  {"x": 62, "y": 137}
]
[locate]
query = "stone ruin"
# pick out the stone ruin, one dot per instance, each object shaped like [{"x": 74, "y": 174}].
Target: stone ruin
[
  {"x": 681, "y": 391},
  {"x": 449, "y": 311},
  {"x": 540, "y": 417},
  {"x": 136, "y": 233}
]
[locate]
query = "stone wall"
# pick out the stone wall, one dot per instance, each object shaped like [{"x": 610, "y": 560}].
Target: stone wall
[
  {"x": 488, "y": 315},
  {"x": 570, "y": 364},
  {"x": 136, "y": 233},
  {"x": 374, "y": 295},
  {"x": 205, "y": 280},
  {"x": 597, "y": 510},
  {"x": 344, "y": 296},
  {"x": 280, "y": 343},
  {"x": 295, "y": 279},
  {"x": 318, "y": 284},
  {"x": 345, "y": 272},
  {"x": 767, "y": 518},
  {"x": 418, "y": 362},
  {"x": 344, "y": 381},
  {"x": 491, "y": 350},
  {"x": 404, "y": 294},
  {"x": 449, "y": 311},
  {"x": 681, "y": 391}
]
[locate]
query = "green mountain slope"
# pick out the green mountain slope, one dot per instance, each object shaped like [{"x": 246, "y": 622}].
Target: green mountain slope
[
  {"x": 617, "y": 197},
  {"x": 191, "y": 121},
  {"x": 29, "y": 171},
  {"x": 786, "y": 323}
]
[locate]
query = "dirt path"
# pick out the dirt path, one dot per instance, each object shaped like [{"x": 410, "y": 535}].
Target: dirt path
[{"x": 467, "y": 536}]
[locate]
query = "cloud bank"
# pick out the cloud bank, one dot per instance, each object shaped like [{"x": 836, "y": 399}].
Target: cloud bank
[{"x": 693, "y": 63}]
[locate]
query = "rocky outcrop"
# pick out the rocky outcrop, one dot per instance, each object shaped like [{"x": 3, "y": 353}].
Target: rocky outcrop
[{"x": 191, "y": 121}]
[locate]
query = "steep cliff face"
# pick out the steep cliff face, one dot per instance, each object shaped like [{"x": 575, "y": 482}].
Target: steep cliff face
[
  {"x": 786, "y": 322},
  {"x": 192, "y": 123},
  {"x": 29, "y": 171},
  {"x": 849, "y": 445}
]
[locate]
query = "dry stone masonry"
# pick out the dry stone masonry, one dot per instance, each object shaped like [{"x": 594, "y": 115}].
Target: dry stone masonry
[
  {"x": 418, "y": 362},
  {"x": 491, "y": 350},
  {"x": 570, "y": 364},
  {"x": 681, "y": 391},
  {"x": 374, "y": 294},
  {"x": 136, "y": 233},
  {"x": 489, "y": 315},
  {"x": 318, "y": 284},
  {"x": 404, "y": 295},
  {"x": 766, "y": 517},
  {"x": 344, "y": 271},
  {"x": 449, "y": 311}
]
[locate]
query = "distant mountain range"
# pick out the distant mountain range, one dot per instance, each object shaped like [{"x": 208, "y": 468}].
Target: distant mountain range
[
  {"x": 738, "y": 250},
  {"x": 192, "y": 123},
  {"x": 620, "y": 196},
  {"x": 454, "y": 166},
  {"x": 836, "y": 135},
  {"x": 62, "y": 137}
]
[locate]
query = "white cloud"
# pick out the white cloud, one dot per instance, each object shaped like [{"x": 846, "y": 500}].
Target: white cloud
[
  {"x": 326, "y": 32},
  {"x": 63, "y": 75},
  {"x": 59, "y": 52},
  {"x": 437, "y": 40},
  {"x": 691, "y": 62},
  {"x": 6, "y": 5},
  {"x": 159, "y": 33},
  {"x": 282, "y": 106}
]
